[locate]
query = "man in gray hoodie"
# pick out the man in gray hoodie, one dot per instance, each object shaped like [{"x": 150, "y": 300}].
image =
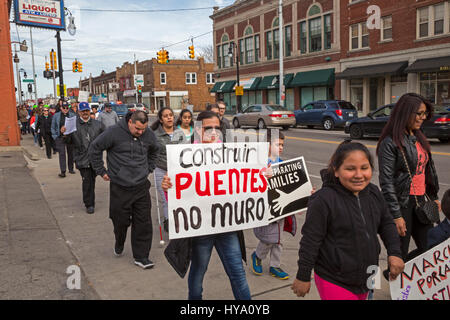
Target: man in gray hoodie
[
  {"x": 131, "y": 153},
  {"x": 108, "y": 117}
]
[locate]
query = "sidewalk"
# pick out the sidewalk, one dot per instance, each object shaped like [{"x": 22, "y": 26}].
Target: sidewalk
[{"x": 50, "y": 230}]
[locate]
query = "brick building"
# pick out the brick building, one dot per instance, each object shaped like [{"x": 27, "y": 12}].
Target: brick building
[
  {"x": 409, "y": 53},
  {"x": 177, "y": 84},
  {"x": 9, "y": 130},
  {"x": 311, "y": 56},
  {"x": 102, "y": 88}
]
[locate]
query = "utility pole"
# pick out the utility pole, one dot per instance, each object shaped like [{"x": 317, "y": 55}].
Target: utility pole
[
  {"x": 61, "y": 80},
  {"x": 135, "y": 73},
  {"x": 281, "y": 37},
  {"x": 34, "y": 71},
  {"x": 19, "y": 86}
]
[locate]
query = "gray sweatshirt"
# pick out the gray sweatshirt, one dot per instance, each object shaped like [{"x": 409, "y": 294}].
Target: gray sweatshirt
[{"x": 108, "y": 118}]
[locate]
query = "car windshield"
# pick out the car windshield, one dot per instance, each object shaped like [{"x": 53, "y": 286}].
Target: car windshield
[
  {"x": 346, "y": 105},
  {"x": 120, "y": 108},
  {"x": 274, "y": 107}
]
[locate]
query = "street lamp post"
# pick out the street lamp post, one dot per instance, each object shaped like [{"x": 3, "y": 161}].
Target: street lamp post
[{"x": 234, "y": 46}]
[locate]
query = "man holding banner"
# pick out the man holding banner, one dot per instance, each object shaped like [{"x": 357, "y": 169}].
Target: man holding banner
[{"x": 226, "y": 188}]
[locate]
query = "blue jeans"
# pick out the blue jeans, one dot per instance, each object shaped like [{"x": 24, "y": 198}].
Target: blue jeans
[{"x": 229, "y": 250}]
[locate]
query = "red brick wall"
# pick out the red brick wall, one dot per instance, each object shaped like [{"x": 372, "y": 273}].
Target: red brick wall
[
  {"x": 176, "y": 70},
  {"x": 9, "y": 130},
  {"x": 403, "y": 26}
]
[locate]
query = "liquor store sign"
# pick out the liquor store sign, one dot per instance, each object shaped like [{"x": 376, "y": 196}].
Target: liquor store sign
[{"x": 47, "y": 14}]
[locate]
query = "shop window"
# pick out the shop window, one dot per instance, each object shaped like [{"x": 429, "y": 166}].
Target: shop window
[{"x": 433, "y": 20}]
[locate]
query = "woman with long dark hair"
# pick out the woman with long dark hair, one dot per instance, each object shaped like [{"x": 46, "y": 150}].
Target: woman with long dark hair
[
  {"x": 165, "y": 133},
  {"x": 402, "y": 140}
]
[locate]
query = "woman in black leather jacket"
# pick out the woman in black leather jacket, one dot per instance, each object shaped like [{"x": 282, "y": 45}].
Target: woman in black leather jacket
[{"x": 402, "y": 132}]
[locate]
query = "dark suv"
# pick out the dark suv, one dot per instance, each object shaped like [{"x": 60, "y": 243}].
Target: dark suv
[{"x": 326, "y": 113}]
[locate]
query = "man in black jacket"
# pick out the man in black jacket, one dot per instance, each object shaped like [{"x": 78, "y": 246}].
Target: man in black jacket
[
  {"x": 44, "y": 123},
  {"x": 87, "y": 130},
  {"x": 131, "y": 154}
]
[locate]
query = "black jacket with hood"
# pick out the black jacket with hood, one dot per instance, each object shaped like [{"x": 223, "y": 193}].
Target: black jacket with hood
[
  {"x": 82, "y": 138},
  {"x": 130, "y": 159},
  {"x": 340, "y": 235}
]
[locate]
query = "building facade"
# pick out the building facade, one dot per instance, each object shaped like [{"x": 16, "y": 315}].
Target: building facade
[
  {"x": 177, "y": 84},
  {"x": 311, "y": 32},
  {"x": 408, "y": 52},
  {"x": 102, "y": 88}
]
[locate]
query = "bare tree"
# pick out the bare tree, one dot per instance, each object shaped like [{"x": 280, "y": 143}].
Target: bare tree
[{"x": 207, "y": 52}]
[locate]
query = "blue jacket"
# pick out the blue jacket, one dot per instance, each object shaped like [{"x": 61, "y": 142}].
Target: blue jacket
[
  {"x": 439, "y": 234},
  {"x": 56, "y": 129}
]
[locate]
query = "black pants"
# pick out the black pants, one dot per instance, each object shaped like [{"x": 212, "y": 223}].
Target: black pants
[
  {"x": 49, "y": 144},
  {"x": 415, "y": 229},
  {"x": 61, "y": 147},
  {"x": 132, "y": 206},
  {"x": 88, "y": 186}
]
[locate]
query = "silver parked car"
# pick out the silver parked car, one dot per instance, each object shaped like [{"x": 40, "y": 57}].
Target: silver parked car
[{"x": 264, "y": 115}]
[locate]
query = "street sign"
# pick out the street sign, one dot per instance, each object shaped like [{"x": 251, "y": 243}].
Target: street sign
[
  {"x": 28, "y": 80},
  {"x": 138, "y": 80},
  {"x": 239, "y": 90}
]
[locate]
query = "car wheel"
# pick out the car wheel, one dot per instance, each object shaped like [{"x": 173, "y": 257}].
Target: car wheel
[
  {"x": 286, "y": 127},
  {"x": 444, "y": 140},
  {"x": 328, "y": 124},
  {"x": 261, "y": 124},
  {"x": 236, "y": 124},
  {"x": 356, "y": 131}
]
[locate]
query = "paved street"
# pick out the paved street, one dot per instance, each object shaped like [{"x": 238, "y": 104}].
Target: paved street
[{"x": 74, "y": 237}]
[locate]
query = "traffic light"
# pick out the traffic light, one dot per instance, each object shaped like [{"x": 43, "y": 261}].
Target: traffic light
[
  {"x": 80, "y": 67},
  {"x": 191, "y": 52},
  {"x": 75, "y": 66},
  {"x": 53, "y": 64},
  {"x": 139, "y": 88},
  {"x": 30, "y": 88},
  {"x": 166, "y": 57},
  {"x": 47, "y": 66},
  {"x": 159, "y": 55}
]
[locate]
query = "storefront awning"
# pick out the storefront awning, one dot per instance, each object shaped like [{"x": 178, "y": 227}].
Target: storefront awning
[
  {"x": 271, "y": 82},
  {"x": 324, "y": 77},
  {"x": 373, "y": 70},
  {"x": 429, "y": 65},
  {"x": 250, "y": 84},
  {"x": 223, "y": 86}
]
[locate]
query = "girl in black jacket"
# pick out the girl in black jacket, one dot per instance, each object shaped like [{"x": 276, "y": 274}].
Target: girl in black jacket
[
  {"x": 340, "y": 232},
  {"x": 402, "y": 137}
]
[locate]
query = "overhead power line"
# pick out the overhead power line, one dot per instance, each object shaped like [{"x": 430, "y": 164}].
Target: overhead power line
[{"x": 146, "y": 10}]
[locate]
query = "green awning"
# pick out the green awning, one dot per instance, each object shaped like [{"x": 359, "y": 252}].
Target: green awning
[
  {"x": 254, "y": 84},
  {"x": 324, "y": 77},
  {"x": 223, "y": 86},
  {"x": 271, "y": 82}
]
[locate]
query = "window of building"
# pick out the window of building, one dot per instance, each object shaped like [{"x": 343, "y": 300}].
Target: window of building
[
  {"x": 433, "y": 20},
  {"x": 269, "y": 45},
  {"x": 315, "y": 31},
  {"x": 249, "y": 47},
  {"x": 223, "y": 60},
  {"x": 191, "y": 78},
  {"x": 210, "y": 78},
  {"x": 303, "y": 34},
  {"x": 435, "y": 87},
  {"x": 257, "y": 51},
  {"x": 315, "y": 34},
  {"x": 162, "y": 78},
  {"x": 386, "y": 27},
  {"x": 439, "y": 18},
  {"x": 359, "y": 36},
  {"x": 287, "y": 41}
]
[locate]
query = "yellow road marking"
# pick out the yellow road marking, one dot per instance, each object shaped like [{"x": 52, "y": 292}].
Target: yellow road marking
[{"x": 339, "y": 142}]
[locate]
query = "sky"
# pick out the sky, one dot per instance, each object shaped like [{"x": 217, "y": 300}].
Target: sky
[{"x": 105, "y": 40}]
